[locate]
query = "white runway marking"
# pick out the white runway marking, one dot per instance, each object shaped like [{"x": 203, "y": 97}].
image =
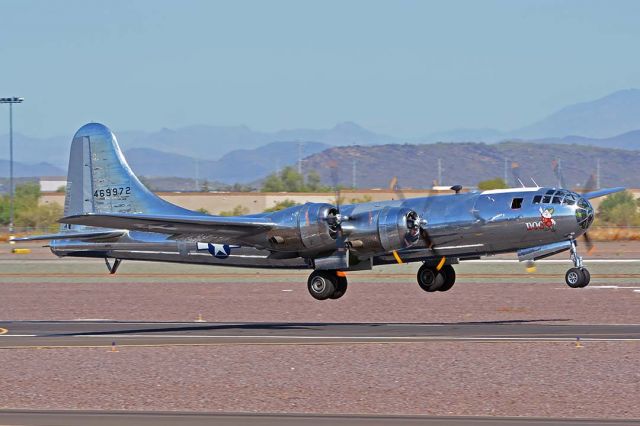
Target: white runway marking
[
  {"x": 615, "y": 287},
  {"x": 89, "y": 261},
  {"x": 18, "y": 335},
  {"x": 552, "y": 261}
]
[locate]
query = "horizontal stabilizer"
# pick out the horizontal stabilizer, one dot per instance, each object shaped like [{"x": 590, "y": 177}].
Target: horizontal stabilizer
[
  {"x": 602, "y": 192},
  {"x": 74, "y": 235},
  {"x": 175, "y": 224}
]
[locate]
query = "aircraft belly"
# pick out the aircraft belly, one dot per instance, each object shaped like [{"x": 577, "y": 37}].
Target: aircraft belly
[{"x": 179, "y": 252}]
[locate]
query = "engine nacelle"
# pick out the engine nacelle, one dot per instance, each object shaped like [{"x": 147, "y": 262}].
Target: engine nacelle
[
  {"x": 303, "y": 228},
  {"x": 392, "y": 228}
]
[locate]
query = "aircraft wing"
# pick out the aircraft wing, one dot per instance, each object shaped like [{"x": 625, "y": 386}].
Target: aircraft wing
[
  {"x": 602, "y": 192},
  {"x": 97, "y": 235},
  {"x": 218, "y": 226}
]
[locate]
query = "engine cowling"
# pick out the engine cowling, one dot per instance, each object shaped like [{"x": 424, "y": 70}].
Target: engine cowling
[
  {"x": 303, "y": 228},
  {"x": 398, "y": 228},
  {"x": 385, "y": 230}
]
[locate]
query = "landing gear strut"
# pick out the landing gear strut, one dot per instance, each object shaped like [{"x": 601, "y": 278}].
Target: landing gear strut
[
  {"x": 323, "y": 284},
  {"x": 578, "y": 276},
  {"x": 431, "y": 279}
]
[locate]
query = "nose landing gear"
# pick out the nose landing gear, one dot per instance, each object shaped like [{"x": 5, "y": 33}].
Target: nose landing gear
[{"x": 578, "y": 276}]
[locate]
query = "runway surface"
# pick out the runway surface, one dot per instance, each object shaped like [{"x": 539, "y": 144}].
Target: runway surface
[
  {"x": 24, "y": 334},
  {"x": 103, "y": 418}
]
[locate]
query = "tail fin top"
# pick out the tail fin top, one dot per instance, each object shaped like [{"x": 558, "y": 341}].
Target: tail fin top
[{"x": 100, "y": 180}]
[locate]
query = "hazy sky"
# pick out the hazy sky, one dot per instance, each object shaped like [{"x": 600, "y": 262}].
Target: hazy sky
[{"x": 406, "y": 68}]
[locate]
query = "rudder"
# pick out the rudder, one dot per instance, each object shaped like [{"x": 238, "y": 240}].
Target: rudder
[{"x": 99, "y": 179}]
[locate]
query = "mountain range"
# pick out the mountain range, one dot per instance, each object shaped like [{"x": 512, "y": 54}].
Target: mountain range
[
  {"x": 238, "y": 154},
  {"x": 242, "y": 165},
  {"x": 416, "y": 166}
]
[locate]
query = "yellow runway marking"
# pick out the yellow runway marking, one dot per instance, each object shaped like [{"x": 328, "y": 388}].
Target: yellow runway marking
[{"x": 3, "y": 331}]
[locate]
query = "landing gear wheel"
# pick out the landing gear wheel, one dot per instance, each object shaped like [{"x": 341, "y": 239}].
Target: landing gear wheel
[
  {"x": 587, "y": 277},
  {"x": 429, "y": 279},
  {"x": 449, "y": 277},
  {"x": 322, "y": 284},
  {"x": 576, "y": 278},
  {"x": 341, "y": 288}
]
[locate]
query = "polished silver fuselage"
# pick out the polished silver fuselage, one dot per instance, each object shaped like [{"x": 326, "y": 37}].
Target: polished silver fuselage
[{"x": 458, "y": 226}]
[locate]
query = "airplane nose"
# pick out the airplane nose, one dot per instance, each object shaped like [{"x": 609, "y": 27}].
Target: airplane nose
[{"x": 584, "y": 213}]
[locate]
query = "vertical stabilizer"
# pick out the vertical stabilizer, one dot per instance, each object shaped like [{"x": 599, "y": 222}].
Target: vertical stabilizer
[{"x": 100, "y": 180}]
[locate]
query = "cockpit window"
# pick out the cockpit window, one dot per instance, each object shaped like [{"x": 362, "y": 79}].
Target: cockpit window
[
  {"x": 516, "y": 203},
  {"x": 560, "y": 196}
]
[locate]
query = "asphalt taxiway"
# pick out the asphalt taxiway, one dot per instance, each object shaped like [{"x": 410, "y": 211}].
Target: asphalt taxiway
[
  {"x": 23, "y": 334},
  {"x": 103, "y": 418}
]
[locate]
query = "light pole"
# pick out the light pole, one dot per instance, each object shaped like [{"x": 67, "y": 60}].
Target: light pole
[{"x": 11, "y": 101}]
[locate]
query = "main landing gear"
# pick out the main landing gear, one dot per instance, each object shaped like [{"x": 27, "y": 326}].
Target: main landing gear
[
  {"x": 431, "y": 279},
  {"x": 325, "y": 284},
  {"x": 578, "y": 276}
]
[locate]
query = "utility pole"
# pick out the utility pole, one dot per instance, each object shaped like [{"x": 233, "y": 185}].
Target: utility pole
[
  {"x": 506, "y": 169},
  {"x": 300, "y": 157},
  {"x": 597, "y": 173},
  {"x": 353, "y": 173},
  {"x": 197, "y": 175},
  {"x": 559, "y": 173},
  {"x": 439, "y": 171},
  {"x": 11, "y": 101}
]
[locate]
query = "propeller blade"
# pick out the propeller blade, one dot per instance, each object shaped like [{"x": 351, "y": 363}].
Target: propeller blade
[
  {"x": 588, "y": 243},
  {"x": 393, "y": 186},
  {"x": 531, "y": 266},
  {"x": 336, "y": 220}
]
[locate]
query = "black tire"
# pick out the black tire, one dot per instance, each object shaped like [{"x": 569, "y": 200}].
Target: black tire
[
  {"x": 574, "y": 277},
  {"x": 322, "y": 284},
  {"x": 429, "y": 279},
  {"x": 449, "y": 277},
  {"x": 341, "y": 288},
  {"x": 587, "y": 277}
]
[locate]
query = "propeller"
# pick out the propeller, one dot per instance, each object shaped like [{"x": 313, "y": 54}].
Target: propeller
[
  {"x": 394, "y": 186},
  {"x": 334, "y": 218},
  {"x": 589, "y": 186}
]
